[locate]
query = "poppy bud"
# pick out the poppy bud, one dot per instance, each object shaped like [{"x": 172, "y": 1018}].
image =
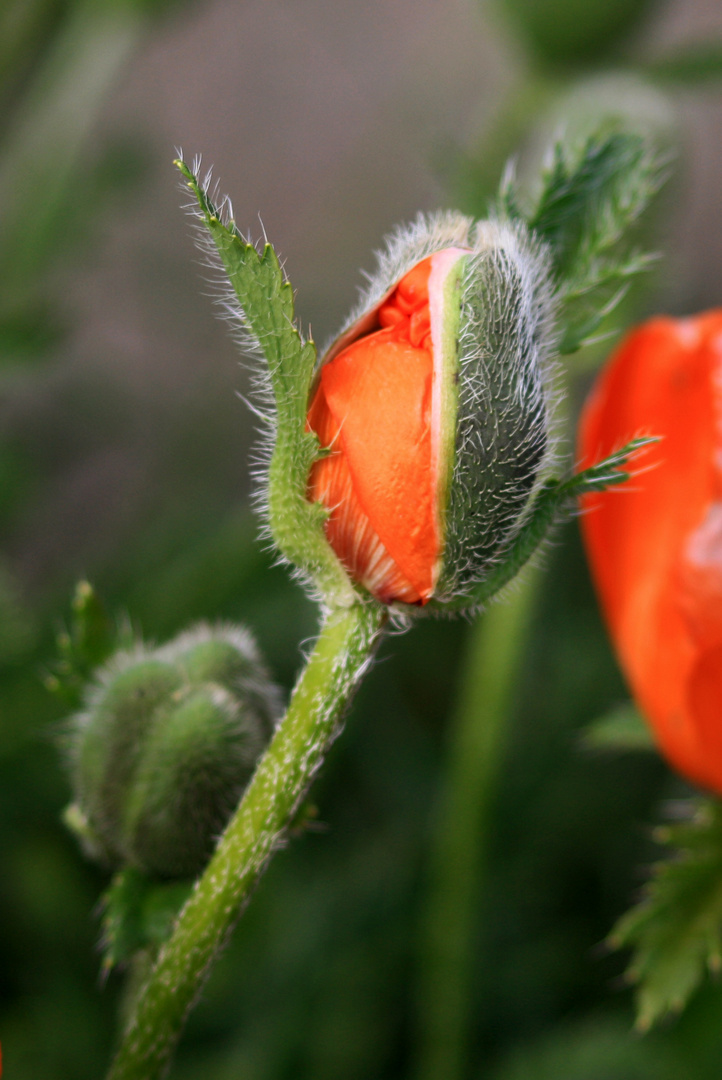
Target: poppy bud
[
  {"x": 655, "y": 548},
  {"x": 164, "y": 748},
  {"x": 433, "y": 406}
]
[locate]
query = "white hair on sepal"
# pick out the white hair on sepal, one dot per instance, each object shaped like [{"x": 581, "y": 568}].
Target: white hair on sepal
[{"x": 506, "y": 436}]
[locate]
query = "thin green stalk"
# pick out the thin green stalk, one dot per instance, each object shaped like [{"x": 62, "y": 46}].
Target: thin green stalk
[
  {"x": 459, "y": 840},
  {"x": 346, "y": 641}
]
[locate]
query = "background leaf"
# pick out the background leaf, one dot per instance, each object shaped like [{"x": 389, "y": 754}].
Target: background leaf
[
  {"x": 675, "y": 931},
  {"x": 622, "y": 728},
  {"x": 590, "y": 199},
  {"x": 688, "y": 65}
]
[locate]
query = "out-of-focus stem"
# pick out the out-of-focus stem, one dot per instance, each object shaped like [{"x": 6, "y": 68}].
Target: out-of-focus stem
[
  {"x": 338, "y": 661},
  {"x": 459, "y": 840}
]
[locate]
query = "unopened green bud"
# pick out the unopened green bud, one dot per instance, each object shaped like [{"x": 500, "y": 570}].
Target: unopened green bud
[{"x": 165, "y": 746}]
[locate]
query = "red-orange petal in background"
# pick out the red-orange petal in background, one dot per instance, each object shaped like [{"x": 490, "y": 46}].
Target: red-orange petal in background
[{"x": 655, "y": 543}]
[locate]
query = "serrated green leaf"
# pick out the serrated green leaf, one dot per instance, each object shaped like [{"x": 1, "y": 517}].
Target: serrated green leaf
[
  {"x": 266, "y": 310},
  {"x": 266, "y": 300},
  {"x": 675, "y": 931},
  {"x": 622, "y": 728},
  {"x": 590, "y": 198},
  {"x": 606, "y": 473}
]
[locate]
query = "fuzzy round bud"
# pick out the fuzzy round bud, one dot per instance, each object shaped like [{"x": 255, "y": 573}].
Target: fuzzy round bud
[
  {"x": 164, "y": 747},
  {"x": 434, "y": 406}
]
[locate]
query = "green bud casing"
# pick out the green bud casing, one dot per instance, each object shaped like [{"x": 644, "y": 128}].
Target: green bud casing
[{"x": 164, "y": 747}]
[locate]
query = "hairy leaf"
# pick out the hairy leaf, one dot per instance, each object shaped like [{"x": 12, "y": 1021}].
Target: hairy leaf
[{"x": 262, "y": 305}]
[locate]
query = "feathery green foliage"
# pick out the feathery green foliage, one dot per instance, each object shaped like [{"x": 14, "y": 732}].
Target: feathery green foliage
[
  {"x": 675, "y": 931},
  {"x": 590, "y": 199}
]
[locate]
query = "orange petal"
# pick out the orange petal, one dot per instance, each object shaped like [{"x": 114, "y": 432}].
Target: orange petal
[
  {"x": 348, "y": 529},
  {"x": 373, "y": 406},
  {"x": 704, "y": 702},
  {"x": 379, "y": 393},
  {"x": 663, "y": 380}
]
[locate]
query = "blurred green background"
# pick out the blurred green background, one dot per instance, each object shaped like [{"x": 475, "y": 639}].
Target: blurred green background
[{"x": 124, "y": 457}]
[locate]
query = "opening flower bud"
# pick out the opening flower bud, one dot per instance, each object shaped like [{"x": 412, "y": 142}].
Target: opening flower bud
[
  {"x": 164, "y": 748},
  {"x": 433, "y": 408}
]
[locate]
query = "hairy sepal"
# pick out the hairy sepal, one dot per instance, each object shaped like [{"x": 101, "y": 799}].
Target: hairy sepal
[
  {"x": 553, "y": 503},
  {"x": 505, "y": 439},
  {"x": 262, "y": 303}
]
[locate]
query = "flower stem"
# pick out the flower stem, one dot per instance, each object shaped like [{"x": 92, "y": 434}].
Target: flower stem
[
  {"x": 460, "y": 835},
  {"x": 345, "y": 644}
]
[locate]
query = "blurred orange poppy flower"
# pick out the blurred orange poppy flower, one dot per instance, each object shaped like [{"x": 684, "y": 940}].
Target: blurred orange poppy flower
[{"x": 655, "y": 545}]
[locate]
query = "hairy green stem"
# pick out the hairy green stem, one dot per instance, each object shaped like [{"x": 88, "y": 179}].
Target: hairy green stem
[
  {"x": 459, "y": 840},
  {"x": 345, "y": 644}
]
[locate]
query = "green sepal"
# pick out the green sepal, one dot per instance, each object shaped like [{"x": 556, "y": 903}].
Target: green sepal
[
  {"x": 138, "y": 913},
  {"x": 619, "y": 730},
  {"x": 590, "y": 200},
  {"x": 675, "y": 931},
  {"x": 554, "y": 502},
  {"x": 265, "y": 297}
]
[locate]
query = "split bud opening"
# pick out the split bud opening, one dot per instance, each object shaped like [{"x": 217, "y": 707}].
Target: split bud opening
[{"x": 433, "y": 408}]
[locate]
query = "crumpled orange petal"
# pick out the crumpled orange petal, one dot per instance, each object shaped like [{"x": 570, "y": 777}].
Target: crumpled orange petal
[
  {"x": 655, "y": 544},
  {"x": 372, "y": 407}
]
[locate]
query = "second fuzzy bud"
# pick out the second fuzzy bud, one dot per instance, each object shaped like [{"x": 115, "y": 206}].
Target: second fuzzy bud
[{"x": 164, "y": 747}]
